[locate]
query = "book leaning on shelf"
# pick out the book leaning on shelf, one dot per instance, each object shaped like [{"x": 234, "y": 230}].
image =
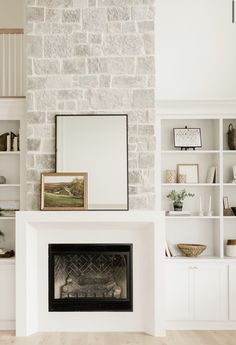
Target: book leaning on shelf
[{"x": 9, "y": 141}]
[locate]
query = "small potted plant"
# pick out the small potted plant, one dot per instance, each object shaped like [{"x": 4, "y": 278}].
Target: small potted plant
[{"x": 178, "y": 198}]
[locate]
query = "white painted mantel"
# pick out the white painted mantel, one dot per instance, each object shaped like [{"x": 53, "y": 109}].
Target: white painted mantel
[{"x": 35, "y": 230}]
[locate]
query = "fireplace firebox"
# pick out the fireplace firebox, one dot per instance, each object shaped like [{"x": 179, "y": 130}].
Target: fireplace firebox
[{"x": 90, "y": 277}]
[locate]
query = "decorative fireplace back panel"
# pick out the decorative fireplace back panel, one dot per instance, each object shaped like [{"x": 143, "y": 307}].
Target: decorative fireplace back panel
[{"x": 90, "y": 277}]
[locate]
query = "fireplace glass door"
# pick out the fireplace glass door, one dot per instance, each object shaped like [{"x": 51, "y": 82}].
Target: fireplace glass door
[{"x": 90, "y": 277}]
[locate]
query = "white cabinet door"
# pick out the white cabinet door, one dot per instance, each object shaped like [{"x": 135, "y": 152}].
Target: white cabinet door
[
  {"x": 196, "y": 292},
  {"x": 232, "y": 292},
  {"x": 196, "y": 50},
  {"x": 178, "y": 292},
  {"x": 210, "y": 292},
  {"x": 7, "y": 293}
]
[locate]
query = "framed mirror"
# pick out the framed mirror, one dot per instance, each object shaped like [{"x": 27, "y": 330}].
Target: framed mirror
[{"x": 96, "y": 145}]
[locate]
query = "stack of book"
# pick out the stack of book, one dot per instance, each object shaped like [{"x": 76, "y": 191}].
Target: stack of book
[
  {"x": 9, "y": 142},
  {"x": 178, "y": 213}
]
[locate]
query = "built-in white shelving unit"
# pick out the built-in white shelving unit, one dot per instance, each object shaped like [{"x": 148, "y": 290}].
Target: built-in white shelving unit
[
  {"x": 12, "y": 195},
  {"x": 12, "y": 167},
  {"x": 210, "y": 230}
]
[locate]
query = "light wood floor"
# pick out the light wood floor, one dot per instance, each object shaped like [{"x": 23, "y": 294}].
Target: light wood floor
[{"x": 173, "y": 338}]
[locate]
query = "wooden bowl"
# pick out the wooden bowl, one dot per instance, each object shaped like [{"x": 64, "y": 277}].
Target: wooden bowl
[{"x": 191, "y": 249}]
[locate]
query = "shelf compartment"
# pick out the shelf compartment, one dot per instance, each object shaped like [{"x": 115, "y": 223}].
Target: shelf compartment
[
  {"x": 209, "y": 132},
  {"x": 204, "y": 164},
  {"x": 10, "y": 168},
  {"x": 192, "y": 203},
  {"x": 207, "y": 233}
]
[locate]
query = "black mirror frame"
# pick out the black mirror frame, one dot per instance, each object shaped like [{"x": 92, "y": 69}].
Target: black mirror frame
[{"x": 127, "y": 153}]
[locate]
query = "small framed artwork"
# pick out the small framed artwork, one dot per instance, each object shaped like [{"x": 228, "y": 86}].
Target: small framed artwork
[
  {"x": 191, "y": 172},
  {"x": 64, "y": 191},
  {"x": 186, "y": 138}
]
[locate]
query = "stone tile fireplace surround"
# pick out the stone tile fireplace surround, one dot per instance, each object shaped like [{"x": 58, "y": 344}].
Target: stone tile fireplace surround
[{"x": 36, "y": 230}]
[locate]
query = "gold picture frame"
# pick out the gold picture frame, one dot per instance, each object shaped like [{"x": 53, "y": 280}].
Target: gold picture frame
[{"x": 64, "y": 191}]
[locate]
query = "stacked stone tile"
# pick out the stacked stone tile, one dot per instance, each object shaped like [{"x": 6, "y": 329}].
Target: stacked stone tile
[{"x": 91, "y": 56}]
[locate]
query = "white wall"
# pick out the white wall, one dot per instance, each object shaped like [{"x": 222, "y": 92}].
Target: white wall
[
  {"x": 196, "y": 50},
  {"x": 11, "y": 14}
]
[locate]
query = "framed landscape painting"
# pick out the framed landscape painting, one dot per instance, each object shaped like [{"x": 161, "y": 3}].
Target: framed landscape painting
[{"x": 64, "y": 191}]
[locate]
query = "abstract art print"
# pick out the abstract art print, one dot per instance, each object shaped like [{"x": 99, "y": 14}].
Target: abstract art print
[{"x": 64, "y": 191}]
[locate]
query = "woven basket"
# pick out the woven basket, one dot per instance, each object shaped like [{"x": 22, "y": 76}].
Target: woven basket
[
  {"x": 191, "y": 249},
  {"x": 231, "y": 137}
]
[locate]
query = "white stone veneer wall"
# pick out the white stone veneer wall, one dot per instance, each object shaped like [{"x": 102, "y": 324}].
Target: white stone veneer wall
[{"x": 91, "y": 56}]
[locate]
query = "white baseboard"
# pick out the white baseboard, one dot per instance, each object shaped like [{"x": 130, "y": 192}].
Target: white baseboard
[
  {"x": 7, "y": 325},
  {"x": 200, "y": 325}
]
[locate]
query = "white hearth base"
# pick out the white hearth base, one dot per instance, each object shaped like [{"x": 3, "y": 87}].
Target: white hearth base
[{"x": 35, "y": 230}]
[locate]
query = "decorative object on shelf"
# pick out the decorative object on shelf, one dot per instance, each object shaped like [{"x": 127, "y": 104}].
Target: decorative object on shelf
[
  {"x": 182, "y": 178},
  {"x": 190, "y": 170},
  {"x": 191, "y": 249},
  {"x": 7, "y": 254},
  {"x": 234, "y": 174},
  {"x": 228, "y": 212},
  {"x": 234, "y": 210},
  {"x": 3, "y": 180},
  {"x": 3, "y": 141},
  {"x": 209, "y": 213},
  {"x": 231, "y": 137},
  {"x": 174, "y": 250},
  {"x": 231, "y": 248},
  {"x": 211, "y": 175},
  {"x": 2, "y": 235},
  {"x": 167, "y": 250},
  {"x": 64, "y": 191},
  {"x": 201, "y": 213},
  {"x": 171, "y": 176},
  {"x": 187, "y": 138},
  {"x": 178, "y": 198}
]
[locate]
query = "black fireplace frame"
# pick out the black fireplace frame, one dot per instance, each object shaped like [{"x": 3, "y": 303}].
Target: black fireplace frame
[{"x": 90, "y": 304}]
